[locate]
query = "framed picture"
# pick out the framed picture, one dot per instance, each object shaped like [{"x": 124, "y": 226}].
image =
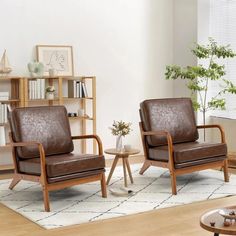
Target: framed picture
[{"x": 56, "y": 58}]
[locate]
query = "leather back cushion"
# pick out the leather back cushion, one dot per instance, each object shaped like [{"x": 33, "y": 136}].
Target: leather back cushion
[
  {"x": 175, "y": 115},
  {"x": 48, "y": 125}
]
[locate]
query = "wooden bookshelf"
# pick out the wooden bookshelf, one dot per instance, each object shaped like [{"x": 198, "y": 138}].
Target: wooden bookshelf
[
  {"x": 61, "y": 85},
  {"x": 14, "y": 85},
  {"x": 90, "y": 83}
]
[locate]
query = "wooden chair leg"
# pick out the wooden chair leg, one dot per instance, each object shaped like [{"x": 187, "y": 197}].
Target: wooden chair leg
[
  {"x": 173, "y": 183},
  {"x": 145, "y": 166},
  {"x": 226, "y": 173},
  {"x": 46, "y": 199},
  {"x": 103, "y": 186},
  {"x": 16, "y": 179}
]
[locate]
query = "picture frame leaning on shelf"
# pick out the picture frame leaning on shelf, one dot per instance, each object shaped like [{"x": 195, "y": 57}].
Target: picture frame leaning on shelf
[{"x": 56, "y": 57}]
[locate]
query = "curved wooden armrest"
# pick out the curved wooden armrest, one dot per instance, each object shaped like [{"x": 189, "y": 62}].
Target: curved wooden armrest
[
  {"x": 24, "y": 144},
  {"x": 214, "y": 126},
  {"x": 92, "y": 136},
  {"x": 32, "y": 143},
  {"x": 41, "y": 152},
  {"x": 169, "y": 141},
  {"x": 157, "y": 132},
  {"x": 160, "y": 133}
]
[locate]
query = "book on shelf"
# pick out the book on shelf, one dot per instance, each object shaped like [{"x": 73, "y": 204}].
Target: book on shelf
[
  {"x": 37, "y": 89},
  {"x": 71, "y": 88},
  {"x": 42, "y": 88},
  {"x": 2, "y": 136},
  {"x": 77, "y": 89},
  {"x": 3, "y": 113},
  {"x": 84, "y": 89}
]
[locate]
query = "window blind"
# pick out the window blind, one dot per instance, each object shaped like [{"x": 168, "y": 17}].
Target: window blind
[{"x": 223, "y": 30}]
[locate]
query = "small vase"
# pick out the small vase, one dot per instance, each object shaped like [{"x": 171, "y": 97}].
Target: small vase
[
  {"x": 50, "y": 96},
  {"x": 119, "y": 143}
]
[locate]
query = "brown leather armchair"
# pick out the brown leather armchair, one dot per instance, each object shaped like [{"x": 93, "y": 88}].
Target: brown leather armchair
[
  {"x": 169, "y": 136},
  {"x": 42, "y": 149}
]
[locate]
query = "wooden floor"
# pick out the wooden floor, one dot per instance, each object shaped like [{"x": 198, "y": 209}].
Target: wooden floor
[{"x": 180, "y": 220}]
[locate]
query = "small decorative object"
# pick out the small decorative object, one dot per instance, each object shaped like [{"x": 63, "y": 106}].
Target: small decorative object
[
  {"x": 56, "y": 57},
  {"x": 72, "y": 114},
  {"x": 52, "y": 72},
  {"x": 228, "y": 213},
  {"x": 36, "y": 69},
  {"x": 127, "y": 147},
  {"x": 81, "y": 112},
  {"x": 50, "y": 92},
  {"x": 119, "y": 129},
  {"x": 5, "y": 67},
  {"x": 227, "y": 223},
  {"x": 212, "y": 223}
]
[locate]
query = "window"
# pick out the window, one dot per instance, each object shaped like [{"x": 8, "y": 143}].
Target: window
[{"x": 223, "y": 30}]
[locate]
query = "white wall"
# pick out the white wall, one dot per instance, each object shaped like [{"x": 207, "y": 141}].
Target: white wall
[
  {"x": 185, "y": 36},
  {"x": 126, "y": 44}
]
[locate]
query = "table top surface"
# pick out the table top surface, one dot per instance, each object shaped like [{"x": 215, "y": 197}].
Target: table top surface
[
  {"x": 214, "y": 216},
  {"x": 113, "y": 151}
]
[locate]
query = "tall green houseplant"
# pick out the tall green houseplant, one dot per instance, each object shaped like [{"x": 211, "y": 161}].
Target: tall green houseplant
[{"x": 198, "y": 77}]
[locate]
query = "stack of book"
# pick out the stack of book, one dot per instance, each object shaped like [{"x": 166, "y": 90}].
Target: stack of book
[
  {"x": 37, "y": 89},
  {"x": 3, "y": 113},
  {"x": 77, "y": 89}
]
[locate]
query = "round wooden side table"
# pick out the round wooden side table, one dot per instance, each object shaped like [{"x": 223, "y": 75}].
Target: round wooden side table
[
  {"x": 218, "y": 228},
  {"x": 124, "y": 156}
]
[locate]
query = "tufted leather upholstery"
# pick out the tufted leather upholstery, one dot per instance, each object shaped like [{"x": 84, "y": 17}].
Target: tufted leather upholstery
[
  {"x": 48, "y": 125},
  {"x": 174, "y": 115},
  {"x": 64, "y": 164},
  {"x": 170, "y": 139},
  {"x": 43, "y": 151},
  {"x": 190, "y": 153}
]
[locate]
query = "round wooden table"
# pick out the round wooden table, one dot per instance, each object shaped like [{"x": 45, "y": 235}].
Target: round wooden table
[
  {"x": 124, "y": 156},
  {"x": 218, "y": 228}
]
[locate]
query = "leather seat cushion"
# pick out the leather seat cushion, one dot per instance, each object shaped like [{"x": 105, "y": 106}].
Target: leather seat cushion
[
  {"x": 75, "y": 176},
  {"x": 65, "y": 164},
  {"x": 189, "y": 152}
]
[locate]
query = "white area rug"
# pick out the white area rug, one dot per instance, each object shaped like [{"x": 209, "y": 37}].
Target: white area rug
[{"x": 83, "y": 203}]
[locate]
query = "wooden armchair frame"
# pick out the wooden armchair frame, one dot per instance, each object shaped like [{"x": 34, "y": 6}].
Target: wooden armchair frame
[
  {"x": 42, "y": 179},
  {"x": 170, "y": 164}
]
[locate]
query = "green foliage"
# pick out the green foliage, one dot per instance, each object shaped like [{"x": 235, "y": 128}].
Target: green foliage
[
  {"x": 120, "y": 128},
  {"x": 217, "y": 104},
  {"x": 198, "y": 77},
  {"x": 50, "y": 89}
]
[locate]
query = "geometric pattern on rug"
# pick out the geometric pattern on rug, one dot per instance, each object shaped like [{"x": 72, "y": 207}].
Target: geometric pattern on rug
[{"x": 83, "y": 203}]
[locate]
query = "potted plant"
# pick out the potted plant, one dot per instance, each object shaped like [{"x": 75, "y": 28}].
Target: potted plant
[
  {"x": 120, "y": 129},
  {"x": 50, "y": 90},
  {"x": 198, "y": 77}
]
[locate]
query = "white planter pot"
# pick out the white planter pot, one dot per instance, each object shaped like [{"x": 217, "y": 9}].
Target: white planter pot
[{"x": 50, "y": 96}]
